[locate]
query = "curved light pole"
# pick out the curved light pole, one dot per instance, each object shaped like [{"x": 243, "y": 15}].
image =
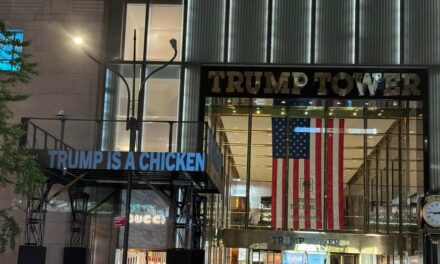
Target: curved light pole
[{"x": 132, "y": 123}]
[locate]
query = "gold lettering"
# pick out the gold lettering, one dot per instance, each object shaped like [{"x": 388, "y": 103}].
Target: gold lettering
[
  {"x": 300, "y": 80},
  {"x": 253, "y": 89},
  {"x": 342, "y": 76},
  {"x": 322, "y": 78},
  {"x": 274, "y": 86},
  {"x": 235, "y": 80},
  {"x": 216, "y": 82},
  {"x": 367, "y": 80},
  {"x": 391, "y": 88},
  {"x": 411, "y": 82}
]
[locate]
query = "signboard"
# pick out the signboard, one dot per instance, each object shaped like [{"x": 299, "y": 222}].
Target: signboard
[
  {"x": 314, "y": 82},
  {"x": 309, "y": 241},
  {"x": 117, "y": 160},
  {"x": 120, "y": 221},
  {"x": 147, "y": 219}
]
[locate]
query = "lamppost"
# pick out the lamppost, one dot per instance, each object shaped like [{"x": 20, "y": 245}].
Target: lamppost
[{"x": 133, "y": 123}]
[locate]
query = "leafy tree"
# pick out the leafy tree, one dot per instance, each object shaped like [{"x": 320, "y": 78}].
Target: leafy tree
[{"x": 18, "y": 167}]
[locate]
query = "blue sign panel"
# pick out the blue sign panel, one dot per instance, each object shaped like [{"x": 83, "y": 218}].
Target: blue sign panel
[
  {"x": 8, "y": 51},
  {"x": 117, "y": 160}
]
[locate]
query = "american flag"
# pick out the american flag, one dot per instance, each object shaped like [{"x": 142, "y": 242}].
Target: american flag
[{"x": 301, "y": 173}]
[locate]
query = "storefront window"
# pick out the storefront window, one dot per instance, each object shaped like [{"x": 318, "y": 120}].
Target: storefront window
[{"x": 350, "y": 165}]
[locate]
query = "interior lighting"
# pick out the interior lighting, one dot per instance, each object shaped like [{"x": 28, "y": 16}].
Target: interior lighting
[
  {"x": 355, "y": 114},
  {"x": 306, "y": 113}
]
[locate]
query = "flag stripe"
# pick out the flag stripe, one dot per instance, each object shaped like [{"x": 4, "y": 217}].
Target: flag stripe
[
  {"x": 283, "y": 206},
  {"x": 318, "y": 177},
  {"x": 300, "y": 192},
  {"x": 295, "y": 194},
  {"x": 290, "y": 189},
  {"x": 335, "y": 173},
  {"x": 311, "y": 202},
  {"x": 341, "y": 172},
  {"x": 307, "y": 186},
  {"x": 329, "y": 200},
  {"x": 274, "y": 193}
]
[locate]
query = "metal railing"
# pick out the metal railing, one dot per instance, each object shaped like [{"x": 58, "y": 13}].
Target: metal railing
[
  {"x": 90, "y": 134},
  {"x": 36, "y": 137}
]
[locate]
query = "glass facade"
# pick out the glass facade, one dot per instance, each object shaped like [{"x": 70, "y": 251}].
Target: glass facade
[{"x": 380, "y": 163}]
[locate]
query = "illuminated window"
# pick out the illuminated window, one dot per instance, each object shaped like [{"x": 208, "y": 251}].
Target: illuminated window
[
  {"x": 10, "y": 50},
  {"x": 164, "y": 23}
]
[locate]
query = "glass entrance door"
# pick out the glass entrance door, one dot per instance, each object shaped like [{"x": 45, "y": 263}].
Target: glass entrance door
[
  {"x": 304, "y": 257},
  {"x": 266, "y": 257},
  {"x": 343, "y": 259}
]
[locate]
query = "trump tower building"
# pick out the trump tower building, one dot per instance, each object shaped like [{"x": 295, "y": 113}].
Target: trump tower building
[{"x": 268, "y": 132}]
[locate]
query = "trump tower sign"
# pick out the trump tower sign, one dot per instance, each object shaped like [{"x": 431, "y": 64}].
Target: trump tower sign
[{"x": 314, "y": 82}]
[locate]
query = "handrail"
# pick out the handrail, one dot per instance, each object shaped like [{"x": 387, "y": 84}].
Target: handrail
[
  {"x": 200, "y": 132},
  {"x": 58, "y": 144}
]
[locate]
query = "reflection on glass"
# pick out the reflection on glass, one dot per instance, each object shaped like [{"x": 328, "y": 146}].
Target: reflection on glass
[
  {"x": 135, "y": 20},
  {"x": 165, "y": 23}
]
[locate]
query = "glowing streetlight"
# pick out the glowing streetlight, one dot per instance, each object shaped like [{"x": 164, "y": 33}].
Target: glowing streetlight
[{"x": 78, "y": 41}]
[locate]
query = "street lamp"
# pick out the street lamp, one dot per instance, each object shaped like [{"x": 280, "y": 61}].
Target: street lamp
[{"x": 132, "y": 123}]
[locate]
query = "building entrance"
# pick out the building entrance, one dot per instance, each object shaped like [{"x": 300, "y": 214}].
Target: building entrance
[
  {"x": 301, "y": 257},
  {"x": 140, "y": 256},
  {"x": 305, "y": 257},
  {"x": 266, "y": 257},
  {"x": 343, "y": 259}
]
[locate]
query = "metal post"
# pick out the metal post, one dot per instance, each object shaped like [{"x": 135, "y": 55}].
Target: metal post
[
  {"x": 63, "y": 125},
  {"x": 387, "y": 172},
  {"x": 133, "y": 123},
  {"x": 132, "y": 126},
  {"x": 248, "y": 167},
  {"x": 366, "y": 174}
]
